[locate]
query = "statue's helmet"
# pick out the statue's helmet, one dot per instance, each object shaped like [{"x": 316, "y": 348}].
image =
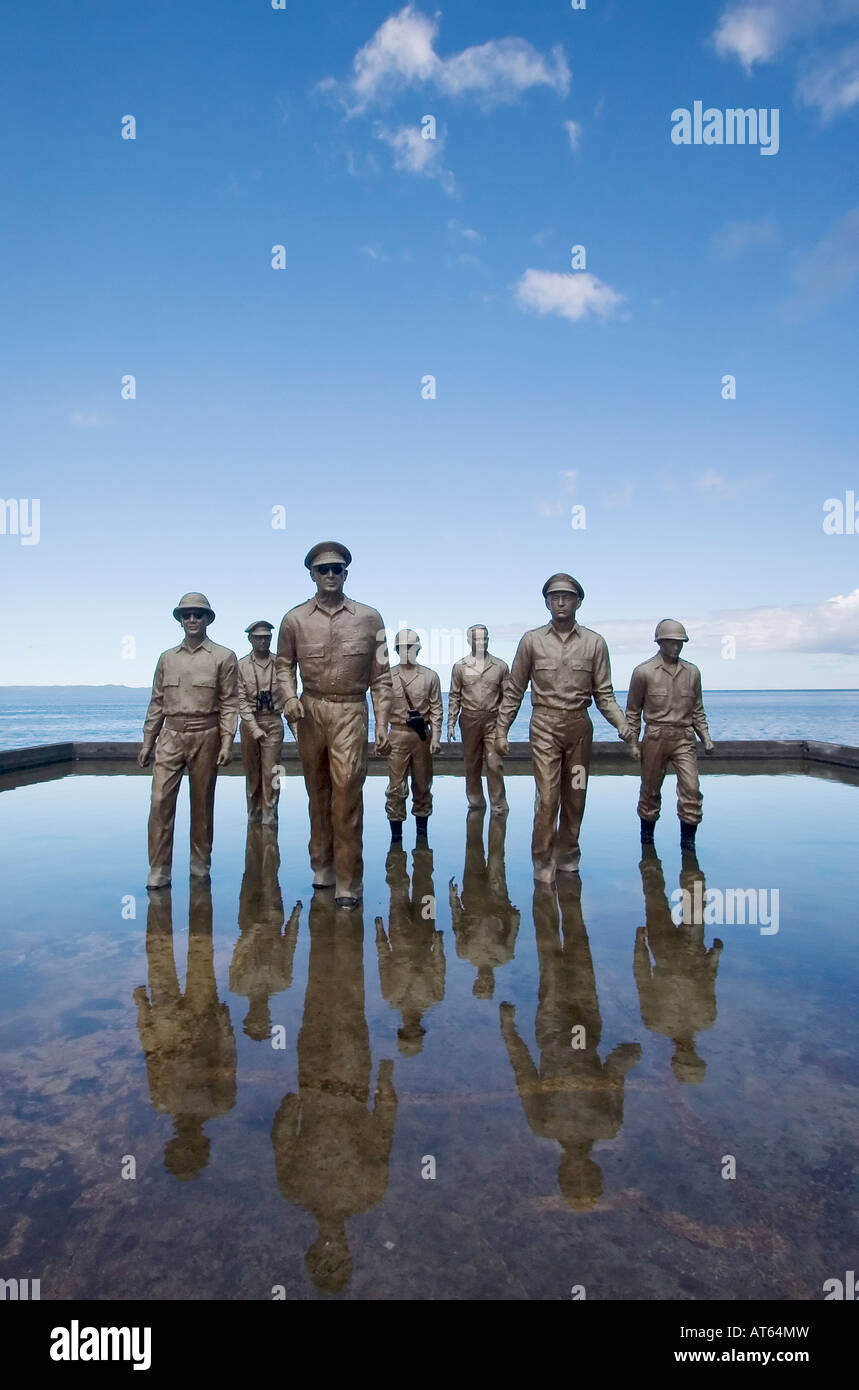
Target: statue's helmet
[{"x": 669, "y": 627}]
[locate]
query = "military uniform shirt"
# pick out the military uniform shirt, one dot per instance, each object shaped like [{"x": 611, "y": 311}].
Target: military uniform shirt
[
  {"x": 565, "y": 674},
  {"x": 340, "y": 651},
  {"x": 474, "y": 690},
  {"x": 667, "y": 694},
  {"x": 257, "y": 675},
  {"x": 199, "y": 680},
  {"x": 417, "y": 687}
]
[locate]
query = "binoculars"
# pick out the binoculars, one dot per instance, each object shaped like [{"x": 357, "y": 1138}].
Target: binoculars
[
  {"x": 417, "y": 724},
  {"x": 264, "y": 700}
]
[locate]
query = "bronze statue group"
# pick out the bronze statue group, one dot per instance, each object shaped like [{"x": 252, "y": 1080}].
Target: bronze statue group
[{"x": 338, "y": 648}]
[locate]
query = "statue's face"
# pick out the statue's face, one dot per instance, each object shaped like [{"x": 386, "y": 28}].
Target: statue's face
[
  {"x": 194, "y": 621},
  {"x": 479, "y": 639},
  {"x": 670, "y": 647},
  {"x": 329, "y": 578},
  {"x": 562, "y": 604},
  {"x": 261, "y": 642},
  {"x": 408, "y": 654}
]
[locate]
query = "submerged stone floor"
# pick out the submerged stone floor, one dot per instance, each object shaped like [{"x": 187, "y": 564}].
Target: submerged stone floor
[{"x": 471, "y": 1090}]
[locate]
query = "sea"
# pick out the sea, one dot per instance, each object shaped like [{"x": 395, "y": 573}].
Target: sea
[{"x": 32, "y": 715}]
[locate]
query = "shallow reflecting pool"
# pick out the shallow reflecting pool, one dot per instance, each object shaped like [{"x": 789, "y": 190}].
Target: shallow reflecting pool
[{"x": 473, "y": 1090}]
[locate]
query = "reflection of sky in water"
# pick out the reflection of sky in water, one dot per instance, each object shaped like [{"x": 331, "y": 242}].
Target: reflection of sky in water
[{"x": 554, "y": 1166}]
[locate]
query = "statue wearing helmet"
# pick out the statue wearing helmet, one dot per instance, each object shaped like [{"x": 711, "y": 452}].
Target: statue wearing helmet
[{"x": 666, "y": 691}]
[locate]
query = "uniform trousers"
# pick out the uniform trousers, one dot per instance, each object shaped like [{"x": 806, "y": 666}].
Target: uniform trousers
[
  {"x": 193, "y": 748},
  {"x": 664, "y": 743},
  {"x": 478, "y": 746},
  {"x": 409, "y": 757},
  {"x": 260, "y": 758},
  {"x": 561, "y": 753},
  {"x": 332, "y": 743}
]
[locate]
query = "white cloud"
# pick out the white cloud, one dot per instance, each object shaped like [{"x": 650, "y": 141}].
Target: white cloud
[
  {"x": 830, "y": 626},
  {"x": 546, "y": 507},
  {"x": 571, "y": 296},
  {"x": 750, "y": 33},
  {"x": 736, "y": 239},
  {"x": 832, "y": 85},
  {"x": 402, "y": 53},
  {"x": 756, "y": 31},
  {"x": 574, "y": 134},
  {"x": 415, "y": 155},
  {"x": 829, "y": 270}
]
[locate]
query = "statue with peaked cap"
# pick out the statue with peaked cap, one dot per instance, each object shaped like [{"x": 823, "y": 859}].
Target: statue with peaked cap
[
  {"x": 191, "y": 723},
  {"x": 567, "y": 666},
  {"x": 339, "y": 647},
  {"x": 667, "y": 691},
  {"x": 261, "y": 709}
]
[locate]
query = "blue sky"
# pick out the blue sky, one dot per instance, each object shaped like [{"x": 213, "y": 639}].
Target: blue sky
[{"x": 301, "y": 388}]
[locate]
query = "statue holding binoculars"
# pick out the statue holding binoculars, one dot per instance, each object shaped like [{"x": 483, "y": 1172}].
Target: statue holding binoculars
[{"x": 260, "y": 707}]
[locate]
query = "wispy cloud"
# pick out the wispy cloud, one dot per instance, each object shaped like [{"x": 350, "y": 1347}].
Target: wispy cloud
[
  {"x": 402, "y": 54},
  {"x": 86, "y": 419},
  {"x": 760, "y": 31},
  {"x": 736, "y": 239},
  {"x": 826, "y": 272},
  {"x": 574, "y": 134},
  {"x": 830, "y": 626},
  {"x": 458, "y": 231},
  {"x": 572, "y": 297},
  {"x": 716, "y": 485},
  {"x": 621, "y": 500},
  {"x": 415, "y": 155},
  {"x": 832, "y": 84}
]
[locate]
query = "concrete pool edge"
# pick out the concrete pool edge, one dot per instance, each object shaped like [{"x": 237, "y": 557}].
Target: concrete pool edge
[{"x": 749, "y": 757}]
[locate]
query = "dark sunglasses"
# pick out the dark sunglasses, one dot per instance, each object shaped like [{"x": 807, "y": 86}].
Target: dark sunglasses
[
  {"x": 193, "y": 613},
  {"x": 329, "y": 569}
]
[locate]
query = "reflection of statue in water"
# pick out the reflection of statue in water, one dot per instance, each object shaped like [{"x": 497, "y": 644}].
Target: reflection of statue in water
[
  {"x": 411, "y": 956},
  {"x": 262, "y": 961},
  {"x": 331, "y": 1153},
  {"x": 574, "y": 1098},
  {"x": 677, "y": 991},
  {"x": 485, "y": 921},
  {"x": 188, "y": 1038}
]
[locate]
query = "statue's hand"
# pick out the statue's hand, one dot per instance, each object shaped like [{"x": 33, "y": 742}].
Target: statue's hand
[
  {"x": 435, "y": 745},
  {"x": 226, "y": 752},
  {"x": 293, "y": 709},
  {"x": 502, "y": 745},
  {"x": 708, "y": 747},
  {"x": 144, "y": 756},
  {"x": 382, "y": 746},
  {"x": 635, "y": 750}
]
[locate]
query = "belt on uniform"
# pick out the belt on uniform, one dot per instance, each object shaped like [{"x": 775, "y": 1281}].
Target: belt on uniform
[
  {"x": 336, "y": 699},
  {"x": 668, "y": 724},
  {"x": 192, "y": 722},
  {"x": 401, "y": 724},
  {"x": 565, "y": 713}
]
